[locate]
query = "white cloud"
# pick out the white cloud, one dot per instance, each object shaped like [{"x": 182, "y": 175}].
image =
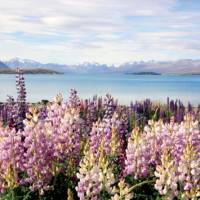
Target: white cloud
[{"x": 111, "y": 31}]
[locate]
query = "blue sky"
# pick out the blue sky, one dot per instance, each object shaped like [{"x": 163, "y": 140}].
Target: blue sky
[{"x": 104, "y": 31}]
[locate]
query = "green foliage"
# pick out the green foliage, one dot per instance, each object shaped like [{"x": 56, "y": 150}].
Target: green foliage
[
  {"x": 58, "y": 190},
  {"x": 145, "y": 191},
  {"x": 104, "y": 195}
]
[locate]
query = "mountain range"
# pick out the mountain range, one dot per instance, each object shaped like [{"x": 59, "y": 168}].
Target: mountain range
[{"x": 178, "y": 67}]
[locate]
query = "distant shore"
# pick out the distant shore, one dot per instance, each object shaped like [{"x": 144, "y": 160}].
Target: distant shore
[
  {"x": 159, "y": 74},
  {"x": 144, "y": 73},
  {"x": 30, "y": 71}
]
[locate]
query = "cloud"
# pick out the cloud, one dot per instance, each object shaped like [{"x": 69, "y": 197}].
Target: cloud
[{"x": 111, "y": 31}]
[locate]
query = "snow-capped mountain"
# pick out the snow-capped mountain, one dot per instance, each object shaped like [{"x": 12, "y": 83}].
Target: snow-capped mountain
[
  {"x": 3, "y": 65},
  {"x": 179, "y": 66},
  {"x": 24, "y": 63},
  {"x": 87, "y": 67},
  {"x": 79, "y": 68}
]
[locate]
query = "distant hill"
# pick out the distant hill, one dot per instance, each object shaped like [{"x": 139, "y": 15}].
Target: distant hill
[
  {"x": 171, "y": 67},
  {"x": 29, "y": 71},
  {"x": 145, "y": 73},
  {"x": 29, "y": 67}
]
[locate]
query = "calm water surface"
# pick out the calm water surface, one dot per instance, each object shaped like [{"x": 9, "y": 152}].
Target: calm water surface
[{"x": 124, "y": 87}]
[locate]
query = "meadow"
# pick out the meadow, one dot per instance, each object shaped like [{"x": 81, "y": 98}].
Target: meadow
[{"x": 98, "y": 149}]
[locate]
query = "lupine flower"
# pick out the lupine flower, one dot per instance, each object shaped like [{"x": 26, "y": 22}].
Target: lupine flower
[
  {"x": 21, "y": 99},
  {"x": 189, "y": 172},
  {"x": 11, "y": 159},
  {"x": 138, "y": 155},
  {"x": 12, "y": 113},
  {"x": 120, "y": 125},
  {"x": 101, "y": 129},
  {"x": 95, "y": 175},
  {"x": 39, "y": 157},
  {"x": 166, "y": 173},
  {"x": 52, "y": 145},
  {"x": 95, "y": 137},
  {"x": 58, "y": 98},
  {"x": 121, "y": 192},
  {"x": 109, "y": 106},
  {"x": 43, "y": 112},
  {"x": 32, "y": 115},
  {"x": 106, "y": 177},
  {"x": 89, "y": 183},
  {"x": 64, "y": 127},
  {"x": 157, "y": 137},
  {"x": 91, "y": 114},
  {"x": 74, "y": 101},
  {"x": 114, "y": 145},
  {"x": 90, "y": 142},
  {"x": 69, "y": 194},
  {"x": 142, "y": 111}
]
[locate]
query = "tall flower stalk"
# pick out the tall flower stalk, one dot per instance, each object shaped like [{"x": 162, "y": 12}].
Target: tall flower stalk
[{"x": 21, "y": 98}]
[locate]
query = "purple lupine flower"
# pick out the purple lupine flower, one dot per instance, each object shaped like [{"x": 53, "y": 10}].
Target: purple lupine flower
[
  {"x": 168, "y": 103},
  {"x": 39, "y": 157},
  {"x": 172, "y": 106},
  {"x": 137, "y": 156},
  {"x": 120, "y": 125},
  {"x": 9, "y": 112},
  {"x": 95, "y": 137},
  {"x": 21, "y": 98},
  {"x": 89, "y": 184},
  {"x": 190, "y": 107},
  {"x": 109, "y": 106},
  {"x": 74, "y": 101},
  {"x": 43, "y": 112},
  {"x": 90, "y": 114},
  {"x": 12, "y": 159},
  {"x": 142, "y": 111}
]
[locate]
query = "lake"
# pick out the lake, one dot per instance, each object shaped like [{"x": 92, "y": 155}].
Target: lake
[{"x": 122, "y": 86}]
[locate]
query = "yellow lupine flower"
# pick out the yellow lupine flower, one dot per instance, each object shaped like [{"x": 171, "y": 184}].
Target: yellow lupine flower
[
  {"x": 70, "y": 194},
  {"x": 11, "y": 177},
  {"x": 102, "y": 157},
  {"x": 122, "y": 193},
  {"x": 114, "y": 142}
]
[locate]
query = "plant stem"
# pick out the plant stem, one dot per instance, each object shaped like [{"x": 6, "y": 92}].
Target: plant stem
[
  {"x": 137, "y": 185},
  {"x": 12, "y": 194}
]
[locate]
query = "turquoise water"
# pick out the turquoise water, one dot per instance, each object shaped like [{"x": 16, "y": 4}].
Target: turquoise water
[{"x": 124, "y": 87}]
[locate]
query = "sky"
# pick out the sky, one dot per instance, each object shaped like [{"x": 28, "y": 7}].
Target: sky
[{"x": 103, "y": 31}]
